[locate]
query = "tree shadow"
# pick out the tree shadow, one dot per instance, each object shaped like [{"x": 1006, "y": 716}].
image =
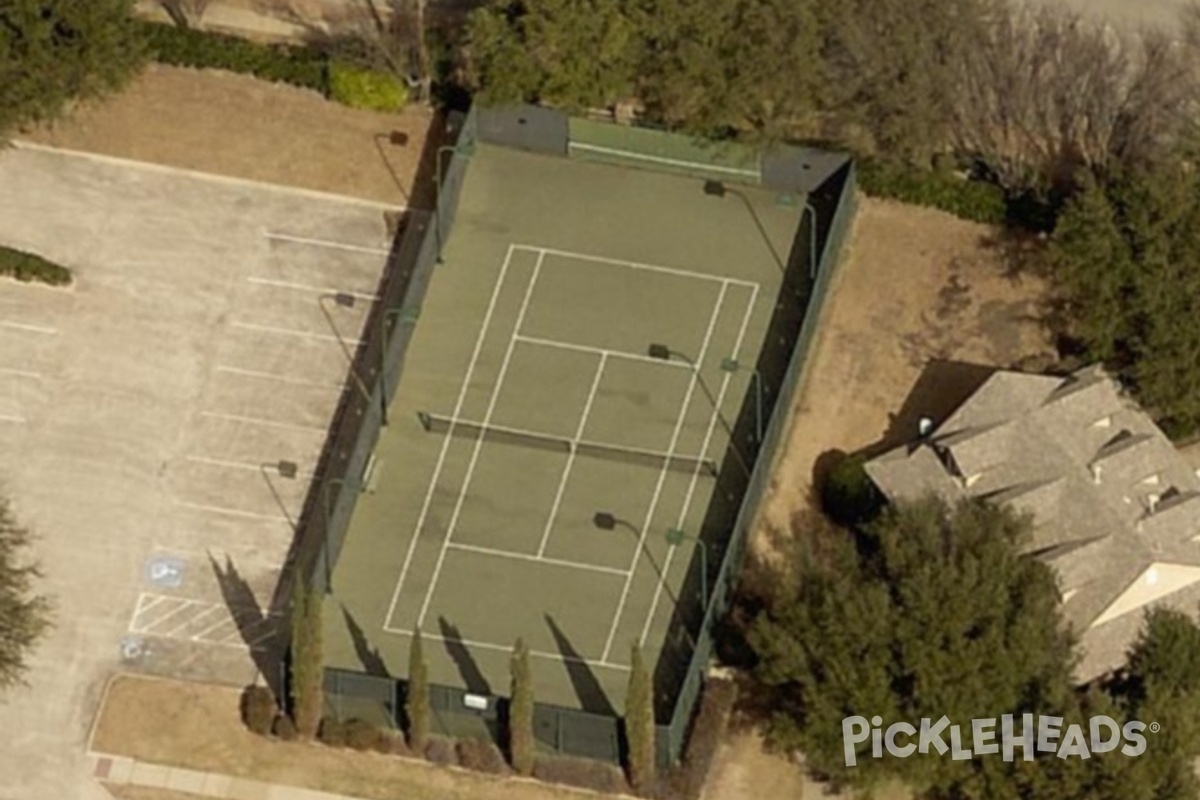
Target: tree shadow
[
  {"x": 368, "y": 656},
  {"x": 472, "y": 676},
  {"x": 591, "y": 694},
  {"x": 256, "y": 628}
]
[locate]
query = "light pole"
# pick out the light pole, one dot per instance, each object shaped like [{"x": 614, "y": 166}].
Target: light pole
[
  {"x": 437, "y": 192},
  {"x": 662, "y": 352},
  {"x": 731, "y": 364},
  {"x": 714, "y": 188},
  {"x": 347, "y": 300},
  {"x": 676, "y": 537}
]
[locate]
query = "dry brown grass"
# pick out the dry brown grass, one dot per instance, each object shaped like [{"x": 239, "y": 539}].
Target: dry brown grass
[
  {"x": 197, "y": 726},
  {"x": 238, "y": 126},
  {"x": 147, "y": 793}
]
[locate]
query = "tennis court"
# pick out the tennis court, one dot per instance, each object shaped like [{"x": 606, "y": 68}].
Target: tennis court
[{"x": 565, "y": 405}]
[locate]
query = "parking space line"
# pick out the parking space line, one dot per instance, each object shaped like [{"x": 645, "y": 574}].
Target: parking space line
[
  {"x": 266, "y": 423},
  {"x": 304, "y": 287},
  {"x": 325, "y": 337},
  {"x": 14, "y": 420},
  {"x": 250, "y": 373},
  {"x": 21, "y": 373},
  {"x": 234, "y": 512},
  {"x": 249, "y": 466},
  {"x": 21, "y": 326},
  {"x": 190, "y": 620},
  {"x": 183, "y": 603},
  {"x": 353, "y": 248}
]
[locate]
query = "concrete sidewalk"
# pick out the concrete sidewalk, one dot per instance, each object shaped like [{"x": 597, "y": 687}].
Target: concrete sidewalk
[{"x": 122, "y": 771}]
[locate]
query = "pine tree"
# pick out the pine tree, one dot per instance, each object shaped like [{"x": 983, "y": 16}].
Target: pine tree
[
  {"x": 520, "y": 711},
  {"x": 24, "y": 617},
  {"x": 306, "y": 668},
  {"x": 639, "y": 723},
  {"x": 417, "y": 699}
]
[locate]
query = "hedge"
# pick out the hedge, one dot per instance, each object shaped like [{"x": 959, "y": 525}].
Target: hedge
[
  {"x": 306, "y": 67},
  {"x": 27, "y": 267},
  {"x": 970, "y": 199}
]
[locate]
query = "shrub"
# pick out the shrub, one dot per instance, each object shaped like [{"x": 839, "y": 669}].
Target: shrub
[
  {"x": 284, "y": 728},
  {"x": 441, "y": 751},
  {"x": 582, "y": 773},
  {"x": 847, "y": 494},
  {"x": 970, "y": 199},
  {"x": 392, "y": 742},
  {"x": 364, "y": 88},
  {"x": 258, "y": 709},
  {"x": 481, "y": 756},
  {"x": 299, "y": 66},
  {"x": 332, "y": 732},
  {"x": 362, "y": 735},
  {"x": 27, "y": 267}
]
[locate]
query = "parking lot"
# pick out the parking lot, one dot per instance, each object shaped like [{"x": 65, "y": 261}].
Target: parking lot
[{"x": 161, "y": 419}]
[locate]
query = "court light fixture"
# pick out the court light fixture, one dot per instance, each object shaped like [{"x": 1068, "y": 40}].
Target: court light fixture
[
  {"x": 714, "y": 188},
  {"x": 604, "y": 521},
  {"x": 287, "y": 469},
  {"x": 344, "y": 299},
  {"x": 676, "y": 537},
  {"x": 659, "y": 352}
]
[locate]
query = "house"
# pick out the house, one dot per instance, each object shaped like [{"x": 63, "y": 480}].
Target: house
[{"x": 1116, "y": 509}]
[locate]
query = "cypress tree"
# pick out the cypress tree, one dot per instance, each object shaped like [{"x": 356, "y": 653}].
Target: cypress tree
[
  {"x": 520, "y": 711},
  {"x": 417, "y": 700},
  {"x": 639, "y": 723}
]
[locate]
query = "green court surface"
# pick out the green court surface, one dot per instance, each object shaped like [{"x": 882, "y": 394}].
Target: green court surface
[{"x": 529, "y": 371}]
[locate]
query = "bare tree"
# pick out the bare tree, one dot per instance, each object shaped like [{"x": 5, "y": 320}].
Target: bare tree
[
  {"x": 1045, "y": 92},
  {"x": 390, "y": 35},
  {"x": 186, "y": 13}
]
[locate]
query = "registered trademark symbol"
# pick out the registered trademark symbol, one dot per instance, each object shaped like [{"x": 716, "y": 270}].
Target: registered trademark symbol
[{"x": 1155, "y": 727}]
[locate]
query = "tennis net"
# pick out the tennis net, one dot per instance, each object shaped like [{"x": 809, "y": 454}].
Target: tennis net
[{"x": 436, "y": 423}]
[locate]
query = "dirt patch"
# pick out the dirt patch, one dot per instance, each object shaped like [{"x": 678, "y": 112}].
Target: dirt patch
[
  {"x": 197, "y": 726},
  {"x": 235, "y": 125},
  {"x": 922, "y": 301}
]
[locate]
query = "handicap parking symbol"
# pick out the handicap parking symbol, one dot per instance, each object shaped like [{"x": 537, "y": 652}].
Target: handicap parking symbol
[{"x": 165, "y": 572}]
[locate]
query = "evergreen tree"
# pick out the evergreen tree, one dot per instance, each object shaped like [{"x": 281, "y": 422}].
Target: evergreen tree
[
  {"x": 930, "y": 612},
  {"x": 417, "y": 698},
  {"x": 520, "y": 711},
  {"x": 53, "y": 52},
  {"x": 639, "y": 723},
  {"x": 24, "y": 616},
  {"x": 306, "y": 656}
]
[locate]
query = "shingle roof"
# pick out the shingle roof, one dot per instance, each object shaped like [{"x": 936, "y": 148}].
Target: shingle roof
[{"x": 1110, "y": 496}]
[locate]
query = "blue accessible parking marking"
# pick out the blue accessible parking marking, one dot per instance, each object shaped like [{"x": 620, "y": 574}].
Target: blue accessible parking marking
[{"x": 165, "y": 572}]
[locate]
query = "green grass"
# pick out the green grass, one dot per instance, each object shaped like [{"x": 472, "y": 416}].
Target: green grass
[{"x": 27, "y": 268}]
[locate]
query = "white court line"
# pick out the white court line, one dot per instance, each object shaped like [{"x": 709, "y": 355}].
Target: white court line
[
  {"x": 662, "y": 476},
  {"x": 304, "y": 287},
  {"x": 600, "y": 351},
  {"x": 437, "y": 469},
  {"x": 266, "y": 423},
  {"x": 617, "y": 262},
  {"x": 687, "y": 500},
  {"x": 249, "y": 466},
  {"x": 353, "y": 248},
  {"x": 507, "y": 648},
  {"x": 487, "y": 418},
  {"x": 21, "y": 326},
  {"x": 696, "y": 165},
  {"x": 250, "y": 373},
  {"x": 324, "y": 337},
  {"x": 233, "y": 512},
  {"x": 21, "y": 373},
  {"x": 566, "y": 473},
  {"x": 556, "y": 562}
]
